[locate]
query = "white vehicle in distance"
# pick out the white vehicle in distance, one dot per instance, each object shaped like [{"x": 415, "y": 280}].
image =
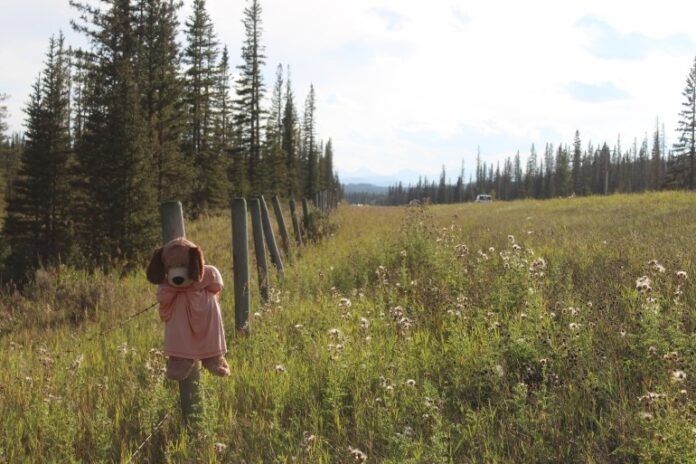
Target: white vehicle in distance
[{"x": 480, "y": 198}]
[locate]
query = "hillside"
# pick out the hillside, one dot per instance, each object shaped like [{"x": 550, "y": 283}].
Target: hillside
[{"x": 527, "y": 331}]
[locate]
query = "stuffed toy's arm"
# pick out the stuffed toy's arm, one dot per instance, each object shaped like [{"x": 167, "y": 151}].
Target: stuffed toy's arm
[{"x": 212, "y": 279}]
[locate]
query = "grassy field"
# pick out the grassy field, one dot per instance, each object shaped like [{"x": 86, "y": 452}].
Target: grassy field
[{"x": 555, "y": 331}]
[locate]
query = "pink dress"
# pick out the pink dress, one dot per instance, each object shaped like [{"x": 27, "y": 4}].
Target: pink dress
[{"x": 193, "y": 322}]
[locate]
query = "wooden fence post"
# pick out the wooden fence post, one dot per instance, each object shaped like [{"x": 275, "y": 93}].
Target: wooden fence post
[
  {"x": 240, "y": 265},
  {"x": 295, "y": 223},
  {"x": 270, "y": 237},
  {"x": 259, "y": 247},
  {"x": 305, "y": 214},
  {"x": 280, "y": 220},
  {"x": 190, "y": 394}
]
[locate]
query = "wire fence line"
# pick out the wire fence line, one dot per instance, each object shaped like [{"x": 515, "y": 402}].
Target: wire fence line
[
  {"x": 149, "y": 437},
  {"x": 118, "y": 325}
]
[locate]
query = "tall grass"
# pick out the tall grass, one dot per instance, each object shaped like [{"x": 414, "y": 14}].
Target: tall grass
[{"x": 504, "y": 332}]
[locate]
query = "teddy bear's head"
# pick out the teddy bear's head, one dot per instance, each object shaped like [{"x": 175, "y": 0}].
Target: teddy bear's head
[{"x": 179, "y": 263}]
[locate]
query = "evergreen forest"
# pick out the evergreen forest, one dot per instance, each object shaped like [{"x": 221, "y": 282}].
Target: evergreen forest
[{"x": 150, "y": 110}]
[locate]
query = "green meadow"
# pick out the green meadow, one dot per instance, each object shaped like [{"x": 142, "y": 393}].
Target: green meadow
[{"x": 527, "y": 331}]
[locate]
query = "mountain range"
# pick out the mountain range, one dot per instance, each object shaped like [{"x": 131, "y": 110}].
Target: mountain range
[{"x": 365, "y": 176}]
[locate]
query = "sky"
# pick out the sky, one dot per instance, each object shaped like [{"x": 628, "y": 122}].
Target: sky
[{"x": 410, "y": 85}]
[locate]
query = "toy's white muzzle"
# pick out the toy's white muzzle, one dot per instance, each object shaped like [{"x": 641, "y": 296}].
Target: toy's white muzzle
[{"x": 178, "y": 277}]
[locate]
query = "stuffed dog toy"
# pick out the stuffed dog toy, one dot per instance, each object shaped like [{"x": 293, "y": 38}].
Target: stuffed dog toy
[{"x": 188, "y": 293}]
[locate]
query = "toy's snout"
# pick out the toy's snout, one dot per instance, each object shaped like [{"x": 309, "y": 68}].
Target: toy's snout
[{"x": 179, "y": 277}]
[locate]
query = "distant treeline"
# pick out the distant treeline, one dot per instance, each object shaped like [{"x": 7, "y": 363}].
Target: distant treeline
[
  {"x": 136, "y": 118},
  {"x": 570, "y": 169}
]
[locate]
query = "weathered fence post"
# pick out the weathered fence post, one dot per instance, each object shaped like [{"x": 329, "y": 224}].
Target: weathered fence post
[
  {"x": 240, "y": 265},
  {"x": 305, "y": 214},
  {"x": 259, "y": 247},
  {"x": 280, "y": 220},
  {"x": 270, "y": 237},
  {"x": 190, "y": 395},
  {"x": 295, "y": 222}
]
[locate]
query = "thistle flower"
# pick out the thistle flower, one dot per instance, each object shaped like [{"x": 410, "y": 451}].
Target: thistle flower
[
  {"x": 538, "y": 265},
  {"x": 643, "y": 284},
  {"x": 655, "y": 266},
  {"x": 219, "y": 447},
  {"x": 678, "y": 375},
  {"x": 334, "y": 333},
  {"x": 357, "y": 455},
  {"x": 410, "y": 383},
  {"x": 682, "y": 275},
  {"x": 397, "y": 312},
  {"x": 280, "y": 369},
  {"x": 511, "y": 238},
  {"x": 345, "y": 303},
  {"x": 649, "y": 397},
  {"x": 364, "y": 323}
]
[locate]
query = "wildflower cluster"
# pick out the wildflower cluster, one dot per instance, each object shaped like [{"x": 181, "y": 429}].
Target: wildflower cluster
[{"x": 403, "y": 323}]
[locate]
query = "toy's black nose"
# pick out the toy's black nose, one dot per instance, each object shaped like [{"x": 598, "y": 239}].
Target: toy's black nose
[{"x": 178, "y": 280}]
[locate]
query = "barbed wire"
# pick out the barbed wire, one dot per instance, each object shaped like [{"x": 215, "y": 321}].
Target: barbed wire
[
  {"x": 114, "y": 327},
  {"x": 149, "y": 437}
]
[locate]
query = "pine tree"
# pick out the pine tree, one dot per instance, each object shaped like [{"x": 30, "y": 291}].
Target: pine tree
[
  {"x": 577, "y": 164},
  {"x": 250, "y": 92},
  {"x": 162, "y": 90},
  {"x": 562, "y": 175},
  {"x": 117, "y": 214},
  {"x": 38, "y": 228},
  {"x": 290, "y": 140},
  {"x": 273, "y": 162},
  {"x": 3, "y": 117},
  {"x": 327, "y": 172},
  {"x": 656, "y": 174},
  {"x": 202, "y": 79},
  {"x": 309, "y": 146},
  {"x": 223, "y": 140},
  {"x": 682, "y": 169}
]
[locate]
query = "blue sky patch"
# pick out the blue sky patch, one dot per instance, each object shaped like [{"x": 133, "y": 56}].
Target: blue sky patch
[
  {"x": 608, "y": 43},
  {"x": 595, "y": 93}
]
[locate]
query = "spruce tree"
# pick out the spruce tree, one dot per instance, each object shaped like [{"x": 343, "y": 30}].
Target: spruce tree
[
  {"x": 681, "y": 171},
  {"x": 202, "y": 83},
  {"x": 117, "y": 215},
  {"x": 327, "y": 170},
  {"x": 223, "y": 139},
  {"x": 38, "y": 227},
  {"x": 273, "y": 162},
  {"x": 162, "y": 91},
  {"x": 309, "y": 146},
  {"x": 250, "y": 92},
  {"x": 3, "y": 118},
  {"x": 656, "y": 175},
  {"x": 577, "y": 164},
  {"x": 290, "y": 140}
]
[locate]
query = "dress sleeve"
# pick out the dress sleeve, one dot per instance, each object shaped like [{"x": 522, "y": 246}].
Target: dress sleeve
[{"x": 212, "y": 279}]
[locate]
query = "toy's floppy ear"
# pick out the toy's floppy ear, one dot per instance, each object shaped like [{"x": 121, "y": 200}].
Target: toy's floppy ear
[
  {"x": 196, "y": 264},
  {"x": 155, "y": 270}
]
